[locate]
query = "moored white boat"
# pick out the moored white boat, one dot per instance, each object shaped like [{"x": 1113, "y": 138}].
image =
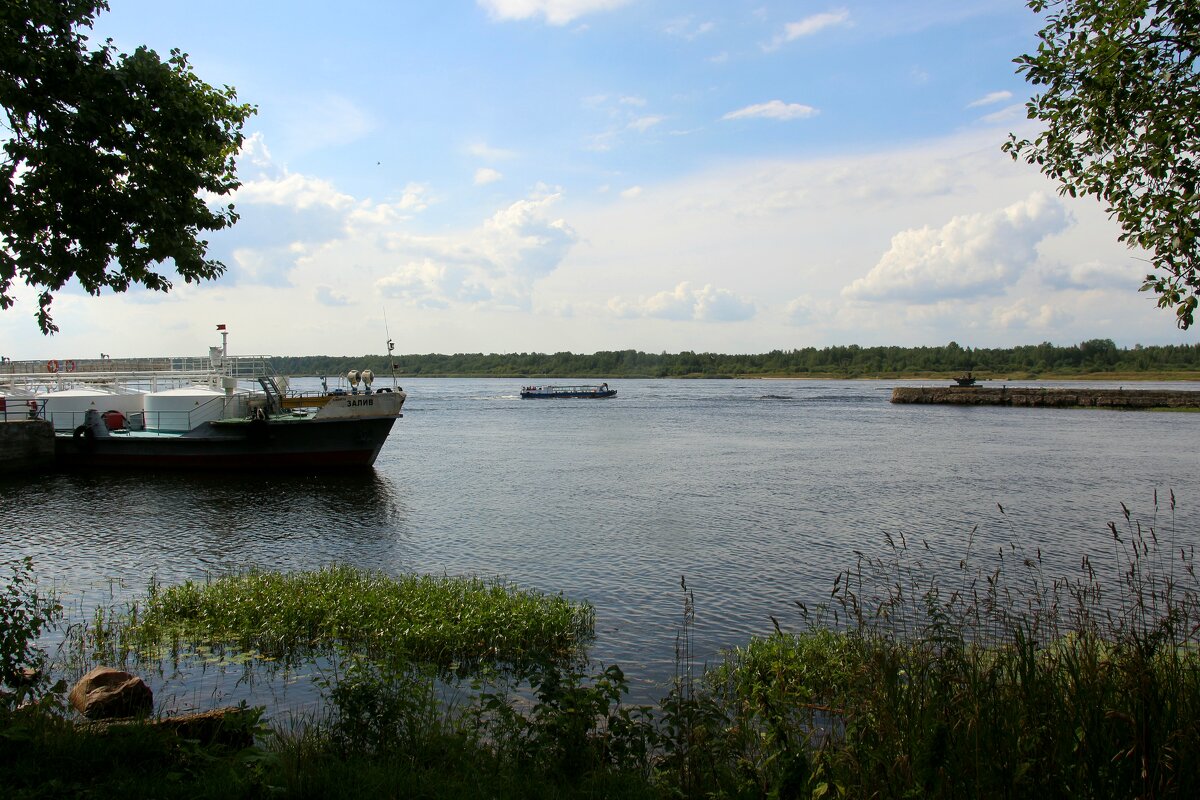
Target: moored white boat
[{"x": 212, "y": 418}]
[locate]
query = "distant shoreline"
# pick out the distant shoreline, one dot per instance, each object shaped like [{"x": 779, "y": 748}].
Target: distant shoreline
[
  {"x": 1150, "y": 376},
  {"x": 1183, "y": 375}
]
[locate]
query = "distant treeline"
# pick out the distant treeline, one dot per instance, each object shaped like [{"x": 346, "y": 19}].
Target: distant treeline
[{"x": 1093, "y": 356}]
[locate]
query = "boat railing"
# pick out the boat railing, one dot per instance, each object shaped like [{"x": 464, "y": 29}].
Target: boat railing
[
  {"x": 54, "y": 374},
  {"x": 169, "y": 422},
  {"x": 247, "y": 367},
  {"x": 294, "y": 400}
]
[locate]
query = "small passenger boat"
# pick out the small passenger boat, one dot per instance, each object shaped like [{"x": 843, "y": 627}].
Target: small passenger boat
[{"x": 585, "y": 392}]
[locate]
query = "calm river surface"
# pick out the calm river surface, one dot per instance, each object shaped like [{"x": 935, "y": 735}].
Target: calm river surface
[{"x": 759, "y": 492}]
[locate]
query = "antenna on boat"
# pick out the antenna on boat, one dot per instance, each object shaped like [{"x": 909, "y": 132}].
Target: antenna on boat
[{"x": 390, "y": 347}]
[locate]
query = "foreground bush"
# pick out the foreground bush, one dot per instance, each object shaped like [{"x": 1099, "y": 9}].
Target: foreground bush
[{"x": 25, "y": 612}]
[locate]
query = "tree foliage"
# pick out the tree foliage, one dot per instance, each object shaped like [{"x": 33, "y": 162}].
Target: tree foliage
[
  {"x": 1121, "y": 105},
  {"x": 108, "y": 160},
  {"x": 1095, "y": 356}
]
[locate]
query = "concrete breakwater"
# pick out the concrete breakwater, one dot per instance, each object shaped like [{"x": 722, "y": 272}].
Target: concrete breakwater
[
  {"x": 1057, "y": 397},
  {"x": 26, "y": 446}
]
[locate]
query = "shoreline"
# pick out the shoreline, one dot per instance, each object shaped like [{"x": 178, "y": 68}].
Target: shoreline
[{"x": 1149, "y": 377}]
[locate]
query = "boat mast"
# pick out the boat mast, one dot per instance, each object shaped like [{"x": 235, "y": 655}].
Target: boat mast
[{"x": 390, "y": 347}]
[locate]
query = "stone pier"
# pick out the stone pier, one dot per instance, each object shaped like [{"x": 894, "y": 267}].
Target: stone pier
[
  {"x": 1030, "y": 397},
  {"x": 26, "y": 446}
]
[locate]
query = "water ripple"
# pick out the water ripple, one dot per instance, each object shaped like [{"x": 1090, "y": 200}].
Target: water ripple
[{"x": 758, "y": 496}]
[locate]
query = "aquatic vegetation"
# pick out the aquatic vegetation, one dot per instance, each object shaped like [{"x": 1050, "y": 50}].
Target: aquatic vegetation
[
  {"x": 1012, "y": 683},
  {"x": 1008, "y": 678},
  {"x": 451, "y": 623}
]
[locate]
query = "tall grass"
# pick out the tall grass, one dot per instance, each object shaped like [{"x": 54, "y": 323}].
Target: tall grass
[
  {"x": 1011, "y": 683},
  {"x": 453, "y": 624}
]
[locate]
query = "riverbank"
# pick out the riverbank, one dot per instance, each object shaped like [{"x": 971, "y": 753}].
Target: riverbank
[{"x": 1030, "y": 671}]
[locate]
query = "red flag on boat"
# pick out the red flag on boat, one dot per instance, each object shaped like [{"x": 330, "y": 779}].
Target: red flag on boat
[{"x": 221, "y": 327}]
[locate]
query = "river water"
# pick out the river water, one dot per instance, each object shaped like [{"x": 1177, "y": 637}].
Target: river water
[{"x": 759, "y": 492}]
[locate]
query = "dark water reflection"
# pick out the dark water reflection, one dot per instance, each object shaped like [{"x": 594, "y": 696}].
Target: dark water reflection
[
  {"x": 86, "y": 530},
  {"x": 760, "y": 492}
]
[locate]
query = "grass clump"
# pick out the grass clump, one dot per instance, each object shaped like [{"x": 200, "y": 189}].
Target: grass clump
[
  {"x": 451, "y": 623},
  {"x": 1011, "y": 684}
]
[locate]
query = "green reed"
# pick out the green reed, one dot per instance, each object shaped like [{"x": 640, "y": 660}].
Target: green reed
[
  {"x": 451, "y": 623},
  {"x": 1004, "y": 680}
]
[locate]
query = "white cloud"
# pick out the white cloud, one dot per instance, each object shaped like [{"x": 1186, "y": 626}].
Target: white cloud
[
  {"x": 555, "y": 12},
  {"x": 495, "y": 265},
  {"x": 688, "y": 28},
  {"x": 413, "y": 198},
  {"x": 324, "y": 121},
  {"x": 970, "y": 256},
  {"x": 291, "y": 190},
  {"x": 303, "y": 230},
  {"x": 990, "y": 99},
  {"x": 809, "y": 26},
  {"x": 292, "y": 216},
  {"x": 426, "y": 284},
  {"x": 1096, "y": 274},
  {"x": 776, "y": 238},
  {"x": 485, "y": 151},
  {"x": 618, "y": 115},
  {"x": 1024, "y": 314},
  {"x": 326, "y": 296},
  {"x": 643, "y": 124},
  {"x": 1009, "y": 113},
  {"x": 799, "y": 310},
  {"x": 685, "y": 303},
  {"x": 775, "y": 109},
  {"x": 631, "y": 192},
  {"x": 719, "y": 305},
  {"x": 486, "y": 175},
  {"x": 255, "y": 153}
]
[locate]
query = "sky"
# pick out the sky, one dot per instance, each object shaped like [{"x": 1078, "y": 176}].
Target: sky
[{"x": 579, "y": 175}]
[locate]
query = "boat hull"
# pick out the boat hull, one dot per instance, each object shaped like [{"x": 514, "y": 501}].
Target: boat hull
[
  {"x": 535, "y": 394},
  {"x": 276, "y": 445}
]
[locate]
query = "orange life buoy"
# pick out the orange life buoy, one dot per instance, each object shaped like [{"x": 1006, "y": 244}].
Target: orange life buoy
[
  {"x": 70, "y": 365},
  {"x": 52, "y": 365}
]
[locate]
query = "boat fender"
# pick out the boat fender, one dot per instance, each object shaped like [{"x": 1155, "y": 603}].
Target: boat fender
[{"x": 85, "y": 438}]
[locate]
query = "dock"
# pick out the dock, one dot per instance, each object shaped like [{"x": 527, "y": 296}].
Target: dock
[
  {"x": 26, "y": 446},
  {"x": 1041, "y": 397}
]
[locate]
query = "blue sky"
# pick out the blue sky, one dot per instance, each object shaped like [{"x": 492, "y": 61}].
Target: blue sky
[{"x": 545, "y": 175}]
